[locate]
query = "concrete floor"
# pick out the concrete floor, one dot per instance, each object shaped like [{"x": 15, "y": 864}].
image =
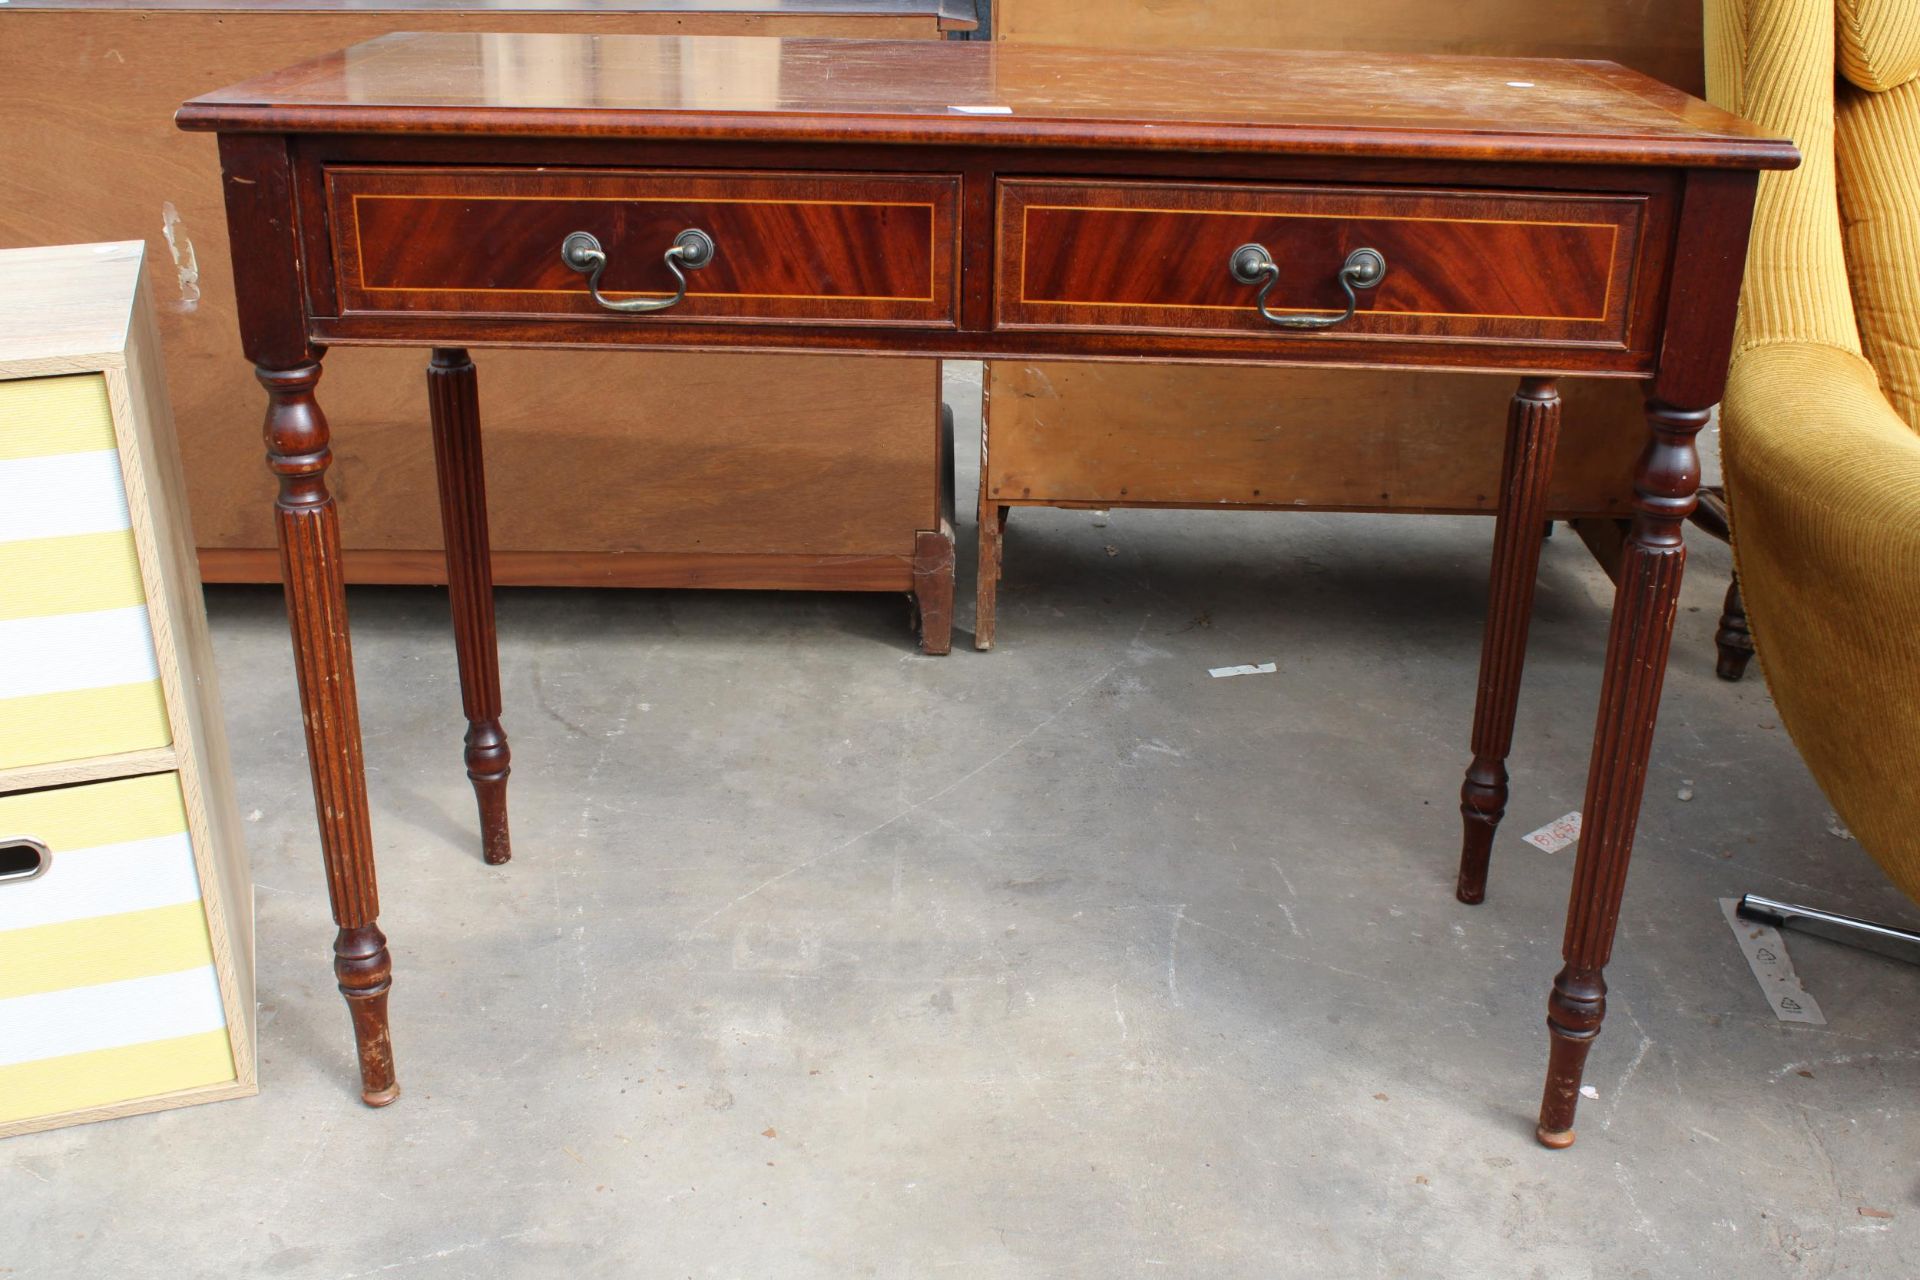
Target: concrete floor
[{"x": 819, "y": 958}]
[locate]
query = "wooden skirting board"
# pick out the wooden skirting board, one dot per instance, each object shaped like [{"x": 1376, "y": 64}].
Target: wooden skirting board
[{"x": 611, "y": 569}]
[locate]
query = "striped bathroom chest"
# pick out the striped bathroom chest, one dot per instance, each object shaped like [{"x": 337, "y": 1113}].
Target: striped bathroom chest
[{"x": 126, "y": 908}]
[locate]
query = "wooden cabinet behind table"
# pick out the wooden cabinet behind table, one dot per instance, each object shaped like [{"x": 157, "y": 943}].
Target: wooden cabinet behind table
[
  {"x": 1107, "y": 435},
  {"x": 809, "y": 472}
]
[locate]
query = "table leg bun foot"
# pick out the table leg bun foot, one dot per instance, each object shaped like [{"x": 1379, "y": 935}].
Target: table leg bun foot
[
  {"x": 1483, "y": 802},
  {"x": 488, "y": 765},
  {"x": 1574, "y": 1013},
  {"x": 365, "y": 971},
  {"x": 1475, "y": 853},
  {"x": 1559, "y": 1139}
]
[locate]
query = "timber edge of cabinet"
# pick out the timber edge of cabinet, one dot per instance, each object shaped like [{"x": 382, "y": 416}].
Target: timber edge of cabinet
[{"x": 126, "y": 902}]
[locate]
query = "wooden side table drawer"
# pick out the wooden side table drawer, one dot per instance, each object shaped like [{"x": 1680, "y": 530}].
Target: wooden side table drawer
[
  {"x": 109, "y": 987},
  {"x": 1459, "y": 264},
  {"x": 842, "y": 248},
  {"x": 78, "y": 676}
]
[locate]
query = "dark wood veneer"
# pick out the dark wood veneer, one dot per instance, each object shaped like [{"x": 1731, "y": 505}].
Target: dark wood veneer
[
  {"x": 788, "y": 246},
  {"x": 1459, "y": 264},
  {"x": 1541, "y": 217}
]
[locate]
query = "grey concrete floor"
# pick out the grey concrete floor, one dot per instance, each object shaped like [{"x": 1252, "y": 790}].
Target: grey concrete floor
[{"x": 820, "y": 958}]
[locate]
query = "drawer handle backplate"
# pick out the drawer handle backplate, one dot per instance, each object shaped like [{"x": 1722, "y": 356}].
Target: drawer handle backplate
[
  {"x": 23, "y": 858},
  {"x": 692, "y": 249},
  {"x": 1251, "y": 263}
]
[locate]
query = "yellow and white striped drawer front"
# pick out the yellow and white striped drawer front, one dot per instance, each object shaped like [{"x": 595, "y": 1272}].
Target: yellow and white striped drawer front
[
  {"x": 108, "y": 991},
  {"x": 77, "y": 672}
]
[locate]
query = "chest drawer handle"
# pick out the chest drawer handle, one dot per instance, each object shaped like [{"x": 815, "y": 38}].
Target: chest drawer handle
[
  {"x": 1363, "y": 269},
  {"x": 692, "y": 249},
  {"x": 23, "y": 859}
]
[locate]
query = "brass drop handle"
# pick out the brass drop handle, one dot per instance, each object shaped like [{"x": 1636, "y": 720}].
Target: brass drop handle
[
  {"x": 1251, "y": 263},
  {"x": 23, "y": 858},
  {"x": 692, "y": 249}
]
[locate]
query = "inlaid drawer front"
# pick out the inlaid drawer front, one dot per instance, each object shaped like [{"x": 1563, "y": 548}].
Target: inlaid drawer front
[
  {"x": 108, "y": 990},
  {"x": 78, "y": 676},
  {"x": 1444, "y": 264},
  {"x": 779, "y": 247}
]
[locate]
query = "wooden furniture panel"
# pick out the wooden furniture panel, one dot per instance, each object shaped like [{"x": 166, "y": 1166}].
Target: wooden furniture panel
[
  {"x": 421, "y": 100},
  {"x": 101, "y": 80},
  {"x": 126, "y": 949},
  {"x": 1092, "y": 435},
  {"x": 1458, "y": 263},
  {"x": 717, "y": 506},
  {"x": 786, "y": 246}
]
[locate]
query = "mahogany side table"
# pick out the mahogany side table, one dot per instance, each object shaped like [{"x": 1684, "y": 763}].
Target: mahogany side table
[{"x": 1542, "y": 217}]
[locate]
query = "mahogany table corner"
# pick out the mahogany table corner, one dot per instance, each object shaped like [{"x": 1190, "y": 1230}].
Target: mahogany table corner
[{"x": 977, "y": 201}]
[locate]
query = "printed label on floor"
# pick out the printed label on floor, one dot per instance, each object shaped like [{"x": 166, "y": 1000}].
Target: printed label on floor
[
  {"x": 1556, "y": 835},
  {"x": 1263, "y": 669},
  {"x": 1767, "y": 956}
]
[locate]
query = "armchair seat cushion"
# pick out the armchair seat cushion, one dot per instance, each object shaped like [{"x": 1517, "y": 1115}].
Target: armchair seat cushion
[{"x": 1824, "y": 482}]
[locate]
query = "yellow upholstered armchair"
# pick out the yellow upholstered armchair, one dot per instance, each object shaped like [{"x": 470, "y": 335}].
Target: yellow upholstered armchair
[{"x": 1822, "y": 462}]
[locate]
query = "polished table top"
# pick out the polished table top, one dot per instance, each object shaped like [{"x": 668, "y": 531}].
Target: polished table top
[{"x": 763, "y": 88}]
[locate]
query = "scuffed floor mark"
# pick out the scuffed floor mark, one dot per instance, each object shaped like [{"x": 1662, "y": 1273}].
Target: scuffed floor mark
[
  {"x": 1173, "y": 955},
  {"x": 185, "y": 264},
  {"x": 1633, "y": 1067}
]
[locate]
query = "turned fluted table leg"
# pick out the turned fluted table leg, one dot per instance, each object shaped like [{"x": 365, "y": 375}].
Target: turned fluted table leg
[
  {"x": 454, "y": 396},
  {"x": 309, "y": 530},
  {"x": 1533, "y": 430},
  {"x": 1648, "y": 593}
]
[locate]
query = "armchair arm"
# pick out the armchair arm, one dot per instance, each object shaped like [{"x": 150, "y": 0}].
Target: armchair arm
[{"x": 1824, "y": 484}]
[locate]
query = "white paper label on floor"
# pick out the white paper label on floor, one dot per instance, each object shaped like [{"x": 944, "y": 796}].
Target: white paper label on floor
[
  {"x": 1556, "y": 835},
  {"x": 1767, "y": 956},
  {"x": 1263, "y": 669}
]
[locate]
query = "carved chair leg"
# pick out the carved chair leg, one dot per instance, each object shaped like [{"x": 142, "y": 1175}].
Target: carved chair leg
[
  {"x": 1637, "y": 643},
  {"x": 1533, "y": 429},
  {"x": 309, "y": 533},
  {"x": 454, "y": 398},
  {"x": 1733, "y": 639}
]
